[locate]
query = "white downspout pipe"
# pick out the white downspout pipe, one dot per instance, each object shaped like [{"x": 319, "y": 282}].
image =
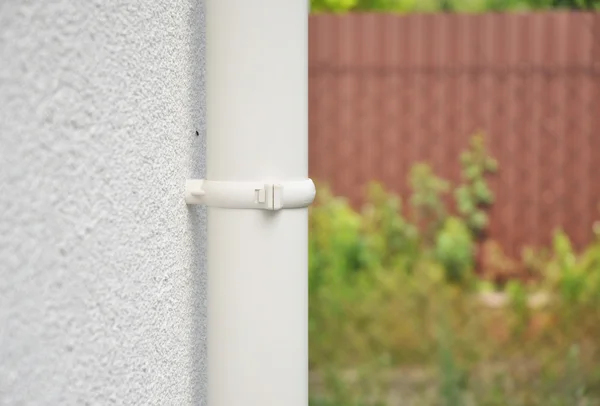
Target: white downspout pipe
[{"x": 257, "y": 192}]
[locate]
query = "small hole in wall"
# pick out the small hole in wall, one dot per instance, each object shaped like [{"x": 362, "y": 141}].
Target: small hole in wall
[{"x": 197, "y": 133}]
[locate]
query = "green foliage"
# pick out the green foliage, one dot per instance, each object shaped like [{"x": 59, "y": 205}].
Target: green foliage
[
  {"x": 366, "y": 388},
  {"x": 344, "y": 241},
  {"x": 399, "y": 6},
  {"x": 335, "y": 238},
  {"x": 469, "y": 6},
  {"x": 474, "y": 196},
  {"x": 454, "y": 250},
  {"x": 518, "y": 295},
  {"x": 577, "y": 277},
  {"x": 379, "y": 283},
  {"x": 570, "y": 278},
  {"x": 427, "y": 199},
  {"x": 333, "y": 5},
  {"x": 574, "y": 387},
  {"x": 452, "y": 378},
  {"x": 391, "y": 241}
]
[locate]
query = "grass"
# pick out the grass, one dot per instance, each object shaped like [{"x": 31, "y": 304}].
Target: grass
[{"x": 388, "y": 336}]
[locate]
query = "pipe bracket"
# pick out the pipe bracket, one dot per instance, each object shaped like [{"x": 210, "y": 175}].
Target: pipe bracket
[{"x": 250, "y": 195}]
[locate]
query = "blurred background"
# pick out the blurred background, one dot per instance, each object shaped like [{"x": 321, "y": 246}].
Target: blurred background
[{"x": 455, "y": 241}]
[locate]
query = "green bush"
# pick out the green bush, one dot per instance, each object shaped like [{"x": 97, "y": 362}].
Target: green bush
[
  {"x": 454, "y": 250},
  {"x": 335, "y": 249},
  {"x": 576, "y": 277},
  {"x": 474, "y": 196},
  {"x": 390, "y": 293},
  {"x": 427, "y": 202},
  {"x": 469, "y": 6},
  {"x": 345, "y": 241},
  {"x": 390, "y": 240}
]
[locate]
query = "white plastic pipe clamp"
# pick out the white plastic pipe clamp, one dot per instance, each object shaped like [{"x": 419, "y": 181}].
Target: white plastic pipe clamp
[{"x": 250, "y": 195}]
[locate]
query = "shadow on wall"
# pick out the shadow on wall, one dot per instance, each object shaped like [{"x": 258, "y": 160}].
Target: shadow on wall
[{"x": 197, "y": 214}]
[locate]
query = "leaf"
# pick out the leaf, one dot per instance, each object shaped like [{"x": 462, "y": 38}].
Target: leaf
[{"x": 478, "y": 221}]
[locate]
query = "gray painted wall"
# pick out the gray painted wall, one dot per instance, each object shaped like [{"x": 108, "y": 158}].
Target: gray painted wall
[{"x": 102, "y": 286}]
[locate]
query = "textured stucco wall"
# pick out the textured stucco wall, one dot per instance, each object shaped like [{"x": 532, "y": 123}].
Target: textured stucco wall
[{"x": 102, "y": 293}]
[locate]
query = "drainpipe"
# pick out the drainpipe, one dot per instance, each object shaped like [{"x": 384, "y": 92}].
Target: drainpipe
[{"x": 257, "y": 193}]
